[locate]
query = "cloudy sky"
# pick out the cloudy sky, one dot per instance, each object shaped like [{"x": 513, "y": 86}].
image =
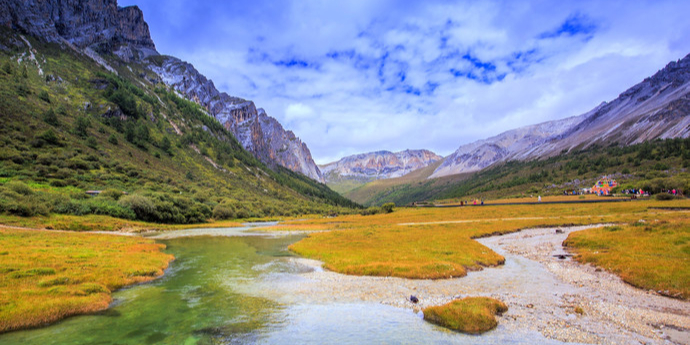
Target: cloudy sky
[{"x": 358, "y": 76}]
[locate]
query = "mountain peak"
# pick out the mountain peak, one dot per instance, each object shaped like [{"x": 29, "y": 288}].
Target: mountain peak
[
  {"x": 81, "y": 23},
  {"x": 379, "y": 164}
]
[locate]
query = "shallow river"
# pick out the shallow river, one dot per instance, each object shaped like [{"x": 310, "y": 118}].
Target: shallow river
[{"x": 205, "y": 298}]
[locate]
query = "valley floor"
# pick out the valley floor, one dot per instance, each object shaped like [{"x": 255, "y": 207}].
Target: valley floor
[{"x": 559, "y": 298}]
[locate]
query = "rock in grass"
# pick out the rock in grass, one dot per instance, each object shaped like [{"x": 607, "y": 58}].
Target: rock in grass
[
  {"x": 414, "y": 299},
  {"x": 473, "y": 315}
]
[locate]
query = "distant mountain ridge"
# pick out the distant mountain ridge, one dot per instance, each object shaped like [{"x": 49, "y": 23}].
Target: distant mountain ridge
[
  {"x": 657, "y": 107},
  {"x": 371, "y": 166},
  {"x": 100, "y": 27}
]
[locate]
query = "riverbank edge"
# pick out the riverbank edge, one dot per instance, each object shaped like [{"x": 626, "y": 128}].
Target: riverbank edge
[{"x": 96, "y": 306}]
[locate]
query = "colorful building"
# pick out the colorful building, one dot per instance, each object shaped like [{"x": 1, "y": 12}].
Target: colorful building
[{"x": 604, "y": 186}]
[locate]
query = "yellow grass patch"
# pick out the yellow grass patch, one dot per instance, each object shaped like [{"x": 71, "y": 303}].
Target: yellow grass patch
[
  {"x": 650, "y": 255},
  {"x": 46, "y": 276},
  {"x": 101, "y": 223},
  {"x": 472, "y": 315},
  {"x": 438, "y": 243}
]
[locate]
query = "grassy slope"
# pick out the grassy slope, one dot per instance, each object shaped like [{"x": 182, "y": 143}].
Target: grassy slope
[
  {"x": 651, "y": 166},
  {"x": 46, "y": 276},
  {"x": 182, "y": 184}
]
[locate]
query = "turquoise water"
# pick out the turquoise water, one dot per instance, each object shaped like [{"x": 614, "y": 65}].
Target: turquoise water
[{"x": 197, "y": 302}]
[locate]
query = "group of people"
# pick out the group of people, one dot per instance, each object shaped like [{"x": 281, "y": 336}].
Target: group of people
[
  {"x": 474, "y": 202},
  {"x": 634, "y": 191}
]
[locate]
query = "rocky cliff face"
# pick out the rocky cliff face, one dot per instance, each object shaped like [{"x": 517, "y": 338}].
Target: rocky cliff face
[
  {"x": 259, "y": 133},
  {"x": 379, "y": 165},
  {"x": 79, "y": 22},
  {"x": 657, "y": 107},
  {"x": 98, "y": 26}
]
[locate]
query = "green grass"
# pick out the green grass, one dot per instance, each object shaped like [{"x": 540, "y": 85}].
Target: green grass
[
  {"x": 473, "y": 315},
  {"x": 651, "y": 255}
]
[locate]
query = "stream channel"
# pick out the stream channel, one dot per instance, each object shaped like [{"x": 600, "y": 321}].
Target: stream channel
[{"x": 214, "y": 293}]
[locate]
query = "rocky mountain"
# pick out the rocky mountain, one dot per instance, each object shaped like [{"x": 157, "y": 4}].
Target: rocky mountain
[
  {"x": 513, "y": 144},
  {"x": 380, "y": 164},
  {"x": 657, "y": 107},
  {"x": 82, "y": 23},
  {"x": 259, "y": 133},
  {"x": 98, "y": 28}
]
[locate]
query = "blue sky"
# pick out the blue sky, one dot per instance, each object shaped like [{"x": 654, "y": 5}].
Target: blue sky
[{"x": 358, "y": 76}]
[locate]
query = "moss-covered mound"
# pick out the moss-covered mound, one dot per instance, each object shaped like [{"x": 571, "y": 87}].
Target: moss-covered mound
[{"x": 472, "y": 315}]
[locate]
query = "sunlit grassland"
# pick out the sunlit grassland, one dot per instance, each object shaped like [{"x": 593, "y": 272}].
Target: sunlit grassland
[
  {"x": 48, "y": 275},
  {"x": 104, "y": 223},
  {"x": 472, "y": 315},
  {"x": 434, "y": 243},
  {"x": 534, "y": 198},
  {"x": 650, "y": 255}
]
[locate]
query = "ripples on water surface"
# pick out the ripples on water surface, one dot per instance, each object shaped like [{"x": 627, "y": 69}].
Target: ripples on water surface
[{"x": 197, "y": 302}]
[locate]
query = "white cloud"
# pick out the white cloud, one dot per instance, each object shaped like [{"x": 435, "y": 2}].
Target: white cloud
[{"x": 359, "y": 76}]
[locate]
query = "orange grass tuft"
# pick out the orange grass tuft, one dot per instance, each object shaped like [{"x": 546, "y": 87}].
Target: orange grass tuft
[
  {"x": 474, "y": 315},
  {"x": 46, "y": 276}
]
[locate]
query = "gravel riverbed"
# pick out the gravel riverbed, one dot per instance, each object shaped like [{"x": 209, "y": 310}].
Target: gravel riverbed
[{"x": 559, "y": 298}]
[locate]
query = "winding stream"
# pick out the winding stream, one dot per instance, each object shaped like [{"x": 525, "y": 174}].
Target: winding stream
[{"x": 239, "y": 287}]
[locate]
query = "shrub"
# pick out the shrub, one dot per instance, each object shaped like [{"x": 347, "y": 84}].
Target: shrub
[
  {"x": 61, "y": 110},
  {"x": 142, "y": 206},
  {"x": 92, "y": 143},
  {"x": 112, "y": 194},
  {"x": 165, "y": 145},
  {"x": 113, "y": 139},
  {"x": 110, "y": 208},
  {"x": 664, "y": 197},
  {"x": 44, "y": 96},
  {"x": 81, "y": 126},
  {"x": 49, "y": 137},
  {"x": 50, "y": 118},
  {"x": 223, "y": 212},
  {"x": 19, "y": 188},
  {"x": 388, "y": 207},
  {"x": 7, "y": 68},
  {"x": 370, "y": 211},
  {"x": 58, "y": 183},
  {"x": 78, "y": 164},
  {"x": 23, "y": 90}
]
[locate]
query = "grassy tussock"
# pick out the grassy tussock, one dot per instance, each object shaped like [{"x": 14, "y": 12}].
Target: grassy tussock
[
  {"x": 47, "y": 276},
  {"x": 472, "y": 315},
  {"x": 438, "y": 243},
  {"x": 650, "y": 255}
]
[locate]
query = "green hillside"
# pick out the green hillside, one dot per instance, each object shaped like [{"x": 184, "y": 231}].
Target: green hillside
[
  {"x": 653, "y": 166},
  {"x": 69, "y": 126}
]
